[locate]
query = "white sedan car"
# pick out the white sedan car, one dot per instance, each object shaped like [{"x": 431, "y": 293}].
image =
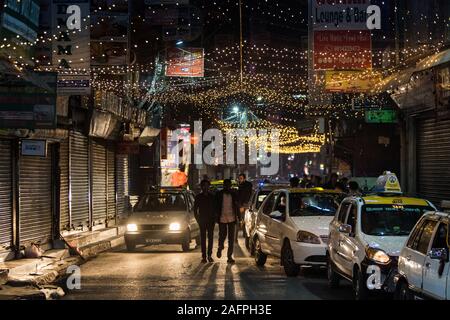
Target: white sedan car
[{"x": 293, "y": 224}]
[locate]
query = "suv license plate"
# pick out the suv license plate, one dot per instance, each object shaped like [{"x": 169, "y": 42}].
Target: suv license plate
[{"x": 153, "y": 241}]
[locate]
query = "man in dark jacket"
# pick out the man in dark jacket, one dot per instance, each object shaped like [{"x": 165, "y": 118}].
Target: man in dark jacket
[
  {"x": 205, "y": 214},
  {"x": 227, "y": 207}
]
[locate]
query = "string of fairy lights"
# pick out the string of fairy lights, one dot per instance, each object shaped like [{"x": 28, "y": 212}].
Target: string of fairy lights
[{"x": 275, "y": 81}]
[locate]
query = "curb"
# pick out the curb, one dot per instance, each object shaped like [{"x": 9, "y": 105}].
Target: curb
[{"x": 39, "y": 286}]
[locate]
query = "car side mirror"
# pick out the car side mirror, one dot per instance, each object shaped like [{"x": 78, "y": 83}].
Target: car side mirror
[
  {"x": 345, "y": 228},
  {"x": 438, "y": 254},
  {"x": 277, "y": 215}
]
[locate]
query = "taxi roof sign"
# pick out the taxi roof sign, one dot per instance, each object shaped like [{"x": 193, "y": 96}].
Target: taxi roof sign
[{"x": 388, "y": 183}]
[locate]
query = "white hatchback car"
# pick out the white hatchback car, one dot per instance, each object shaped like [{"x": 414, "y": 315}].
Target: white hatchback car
[
  {"x": 293, "y": 224},
  {"x": 423, "y": 267}
]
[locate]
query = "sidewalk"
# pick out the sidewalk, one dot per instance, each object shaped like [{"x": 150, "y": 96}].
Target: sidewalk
[{"x": 33, "y": 278}]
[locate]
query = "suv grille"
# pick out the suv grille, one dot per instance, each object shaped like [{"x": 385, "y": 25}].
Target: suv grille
[{"x": 151, "y": 227}]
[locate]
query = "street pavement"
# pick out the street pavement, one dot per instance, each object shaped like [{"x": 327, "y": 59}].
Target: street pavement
[{"x": 165, "y": 272}]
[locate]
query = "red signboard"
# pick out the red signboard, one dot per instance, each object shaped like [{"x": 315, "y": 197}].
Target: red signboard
[
  {"x": 185, "y": 62},
  {"x": 342, "y": 50}
]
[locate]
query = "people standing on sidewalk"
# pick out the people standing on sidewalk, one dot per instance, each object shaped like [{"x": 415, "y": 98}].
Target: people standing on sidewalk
[
  {"x": 205, "y": 214},
  {"x": 227, "y": 207},
  {"x": 245, "y": 189}
]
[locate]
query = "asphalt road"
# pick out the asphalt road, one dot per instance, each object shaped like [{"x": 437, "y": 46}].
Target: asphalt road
[{"x": 165, "y": 272}]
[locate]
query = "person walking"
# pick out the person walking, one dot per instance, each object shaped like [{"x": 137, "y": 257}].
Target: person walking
[
  {"x": 227, "y": 207},
  {"x": 205, "y": 214}
]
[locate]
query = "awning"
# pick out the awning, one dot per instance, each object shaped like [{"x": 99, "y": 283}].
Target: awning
[
  {"x": 148, "y": 136},
  {"x": 403, "y": 77}
]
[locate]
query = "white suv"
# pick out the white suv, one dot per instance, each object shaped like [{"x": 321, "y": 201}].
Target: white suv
[
  {"x": 293, "y": 224},
  {"x": 423, "y": 268}
]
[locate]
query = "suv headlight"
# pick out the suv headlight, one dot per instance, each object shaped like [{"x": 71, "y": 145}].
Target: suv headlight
[
  {"x": 307, "y": 237},
  {"x": 132, "y": 227},
  {"x": 175, "y": 226},
  {"x": 377, "y": 255}
]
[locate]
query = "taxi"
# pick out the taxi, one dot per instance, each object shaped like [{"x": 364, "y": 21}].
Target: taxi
[
  {"x": 258, "y": 196},
  {"x": 292, "y": 224},
  {"x": 423, "y": 267},
  {"x": 367, "y": 235},
  {"x": 217, "y": 185}
]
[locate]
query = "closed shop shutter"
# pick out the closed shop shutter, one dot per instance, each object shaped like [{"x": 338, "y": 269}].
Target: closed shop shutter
[
  {"x": 433, "y": 159},
  {"x": 35, "y": 202},
  {"x": 79, "y": 180},
  {"x": 5, "y": 195},
  {"x": 64, "y": 217},
  {"x": 122, "y": 184},
  {"x": 99, "y": 169},
  {"x": 111, "y": 186}
]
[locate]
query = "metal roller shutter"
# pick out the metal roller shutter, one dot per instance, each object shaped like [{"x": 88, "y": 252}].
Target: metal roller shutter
[
  {"x": 64, "y": 218},
  {"x": 35, "y": 202},
  {"x": 79, "y": 180},
  {"x": 99, "y": 205},
  {"x": 121, "y": 184},
  {"x": 111, "y": 185},
  {"x": 433, "y": 159},
  {"x": 5, "y": 195}
]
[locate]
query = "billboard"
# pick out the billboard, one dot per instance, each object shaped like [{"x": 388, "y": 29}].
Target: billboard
[
  {"x": 186, "y": 62},
  {"x": 350, "y": 81},
  {"x": 347, "y": 50}
]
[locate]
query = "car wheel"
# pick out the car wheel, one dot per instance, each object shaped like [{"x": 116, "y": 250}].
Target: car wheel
[
  {"x": 333, "y": 278},
  {"x": 131, "y": 245},
  {"x": 402, "y": 292},
  {"x": 287, "y": 256},
  {"x": 260, "y": 257},
  {"x": 186, "y": 245},
  {"x": 360, "y": 287}
]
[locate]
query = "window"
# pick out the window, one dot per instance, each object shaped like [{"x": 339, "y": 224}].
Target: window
[
  {"x": 268, "y": 205},
  {"x": 261, "y": 196},
  {"x": 351, "y": 220},
  {"x": 414, "y": 238},
  {"x": 440, "y": 239},
  {"x": 390, "y": 220},
  {"x": 425, "y": 237},
  {"x": 281, "y": 203},
  {"x": 343, "y": 212},
  {"x": 313, "y": 204},
  {"x": 161, "y": 202}
]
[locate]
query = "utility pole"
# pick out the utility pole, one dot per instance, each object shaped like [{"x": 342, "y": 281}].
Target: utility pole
[{"x": 241, "y": 43}]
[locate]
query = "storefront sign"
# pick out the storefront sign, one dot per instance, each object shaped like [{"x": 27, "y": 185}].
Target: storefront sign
[
  {"x": 350, "y": 81},
  {"x": 340, "y": 15},
  {"x": 186, "y": 62},
  {"x": 381, "y": 116},
  {"x": 71, "y": 49},
  {"x": 348, "y": 50},
  {"x": 35, "y": 148}
]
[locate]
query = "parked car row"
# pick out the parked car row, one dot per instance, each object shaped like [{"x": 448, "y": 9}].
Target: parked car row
[{"x": 383, "y": 242}]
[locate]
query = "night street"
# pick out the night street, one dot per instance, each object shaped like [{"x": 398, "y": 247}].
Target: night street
[
  {"x": 165, "y": 273},
  {"x": 135, "y": 132}
]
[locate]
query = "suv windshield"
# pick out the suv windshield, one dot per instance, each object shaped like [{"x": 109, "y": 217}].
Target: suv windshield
[
  {"x": 161, "y": 202},
  {"x": 314, "y": 204},
  {"x": 390, "y": 220}
]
